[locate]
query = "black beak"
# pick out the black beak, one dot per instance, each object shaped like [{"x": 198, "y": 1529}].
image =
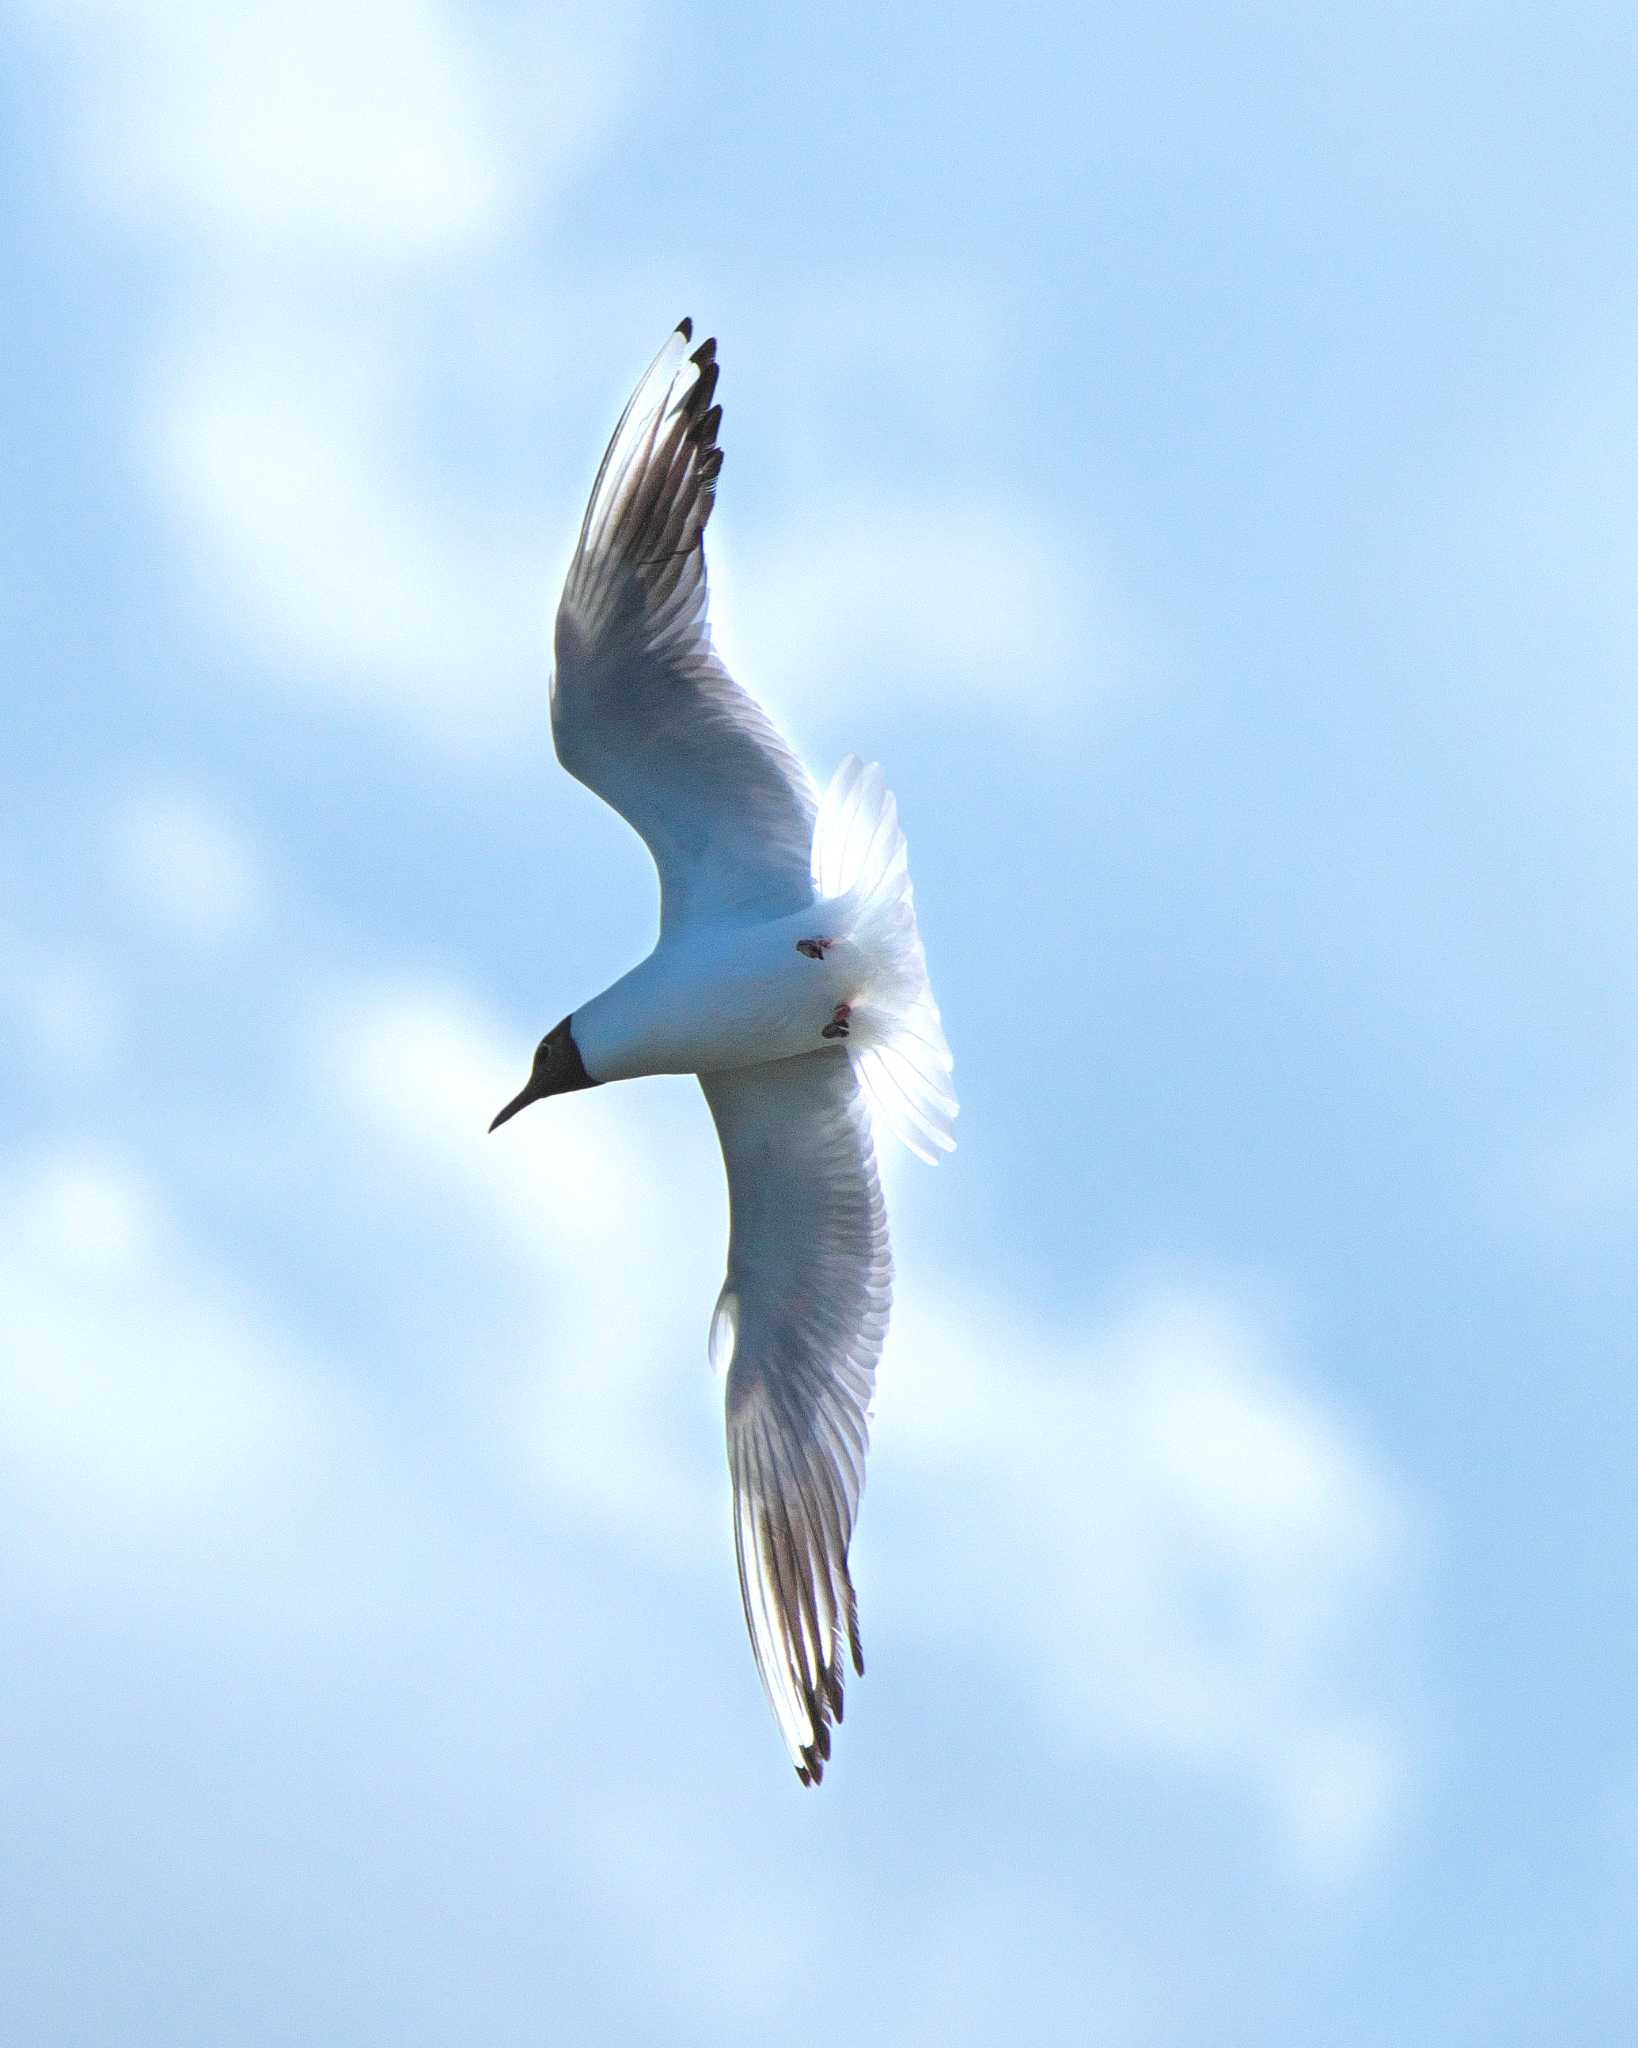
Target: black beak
[
  {"x": 558, "y": 1070},
  {"x": 530, "y": 1094}
]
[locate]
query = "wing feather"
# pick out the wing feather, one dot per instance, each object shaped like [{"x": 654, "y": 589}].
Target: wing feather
[
  {"x": 810, "y": 1280},
  {"x": 643, "y": 712}
]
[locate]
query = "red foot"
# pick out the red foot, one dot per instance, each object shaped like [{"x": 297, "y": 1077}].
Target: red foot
[{"x": 837, "y": 1027}]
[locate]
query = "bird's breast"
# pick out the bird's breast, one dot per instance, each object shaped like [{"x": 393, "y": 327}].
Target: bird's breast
[{"x": 715, "y": 998}]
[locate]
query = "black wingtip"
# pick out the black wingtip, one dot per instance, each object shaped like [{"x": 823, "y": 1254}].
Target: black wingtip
[
  {"x": 685, "y": 327},
  {"x": 705, "y": 384}
]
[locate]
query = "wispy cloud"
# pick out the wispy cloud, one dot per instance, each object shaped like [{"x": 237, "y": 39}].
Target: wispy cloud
[
  {"x": 903, "y": 542},
  {"x": 1168, "y": 1538},
  {"x": 946, "y": 595},
  {"x": 285, "y": 458},
  {"x": 316, "y": 178},
  {"x": 63, "y": 1011},
  {"x": 184, "y": 860},
  {"x": 137, "y": 1392},
  {"x": 1155, "y": 1532},
  {"x": 576, "y": 1404},
  {"x": 377, "y": 134}
]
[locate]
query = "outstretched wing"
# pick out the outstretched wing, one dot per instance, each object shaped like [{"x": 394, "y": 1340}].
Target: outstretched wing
[
  {"x": 805, "y": 1305},
  {"x": 642, "y": 710}
]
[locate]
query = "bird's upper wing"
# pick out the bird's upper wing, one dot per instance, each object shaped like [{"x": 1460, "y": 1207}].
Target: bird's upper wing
[
  {"x": 805, "y": 1306},
  {"x": 642, "y": 710}
]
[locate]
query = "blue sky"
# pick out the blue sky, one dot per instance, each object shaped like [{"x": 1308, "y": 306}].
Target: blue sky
[{"x": 1194, "y": 450}]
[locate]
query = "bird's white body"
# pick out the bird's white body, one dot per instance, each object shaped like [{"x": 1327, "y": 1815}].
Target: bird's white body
[
  {"x": 789, "y": 976},
  {"x": 715, "y": 996}
]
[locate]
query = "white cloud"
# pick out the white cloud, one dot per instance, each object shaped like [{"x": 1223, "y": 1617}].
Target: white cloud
[
  {"x": 940, "y": 593},
  {"x": 287, "y": 457},
  {"x": 134, "y": 1393},
  {"x": 313, "y": 173},
  {"x": 428, "y": 1069},
  {"x": 1154, "y": 1533},
  {"x": 185, "y": 861},
  {"x": 1164, "y": 1540},
  {"x": 901, "y": 538},
  {"x": 566, "y": 1214},
  {"x": 1342, "y": 1785},
  {"x": 380, "y": 133},
  {"x": 1150, "y": 1537},
  {"x": 86, "y": 1212},
  {"x": 63, "y": 1012},
  {"x": 288, "y": 432}
]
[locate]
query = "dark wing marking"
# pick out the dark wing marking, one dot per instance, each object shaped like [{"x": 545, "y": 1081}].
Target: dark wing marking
[{"x": 643, "y": 712}]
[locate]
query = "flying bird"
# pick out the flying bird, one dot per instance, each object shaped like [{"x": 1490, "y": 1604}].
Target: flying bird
[{"x": 789, "y": 976}]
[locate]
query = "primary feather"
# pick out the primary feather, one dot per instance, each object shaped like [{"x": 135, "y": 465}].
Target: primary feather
[
  {"x": 643, "y": 712},
  {"x": 809, "y": 1285}
]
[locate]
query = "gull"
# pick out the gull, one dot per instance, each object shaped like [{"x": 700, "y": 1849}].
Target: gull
[{"x": 789, "y": 977}]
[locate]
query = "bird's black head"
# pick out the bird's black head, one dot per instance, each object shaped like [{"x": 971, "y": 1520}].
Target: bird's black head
[{"x": 558, "y": 1070}]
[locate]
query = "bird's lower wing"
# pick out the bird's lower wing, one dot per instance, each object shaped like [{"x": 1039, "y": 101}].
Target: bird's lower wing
[
  {"x": 642, "y": 710},
  {"x": 805, "y": 1308}
]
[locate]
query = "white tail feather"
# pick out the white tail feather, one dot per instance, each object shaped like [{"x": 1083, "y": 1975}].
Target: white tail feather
[{"x": 895, "y": 1039}]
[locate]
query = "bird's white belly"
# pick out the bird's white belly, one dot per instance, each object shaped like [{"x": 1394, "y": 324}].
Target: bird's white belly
[{"x": 718, "y": 997}]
